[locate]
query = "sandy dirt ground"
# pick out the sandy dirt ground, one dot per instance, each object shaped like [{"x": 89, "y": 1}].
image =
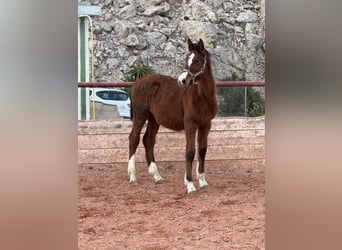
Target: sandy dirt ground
[{"x": 113, "y": 214}]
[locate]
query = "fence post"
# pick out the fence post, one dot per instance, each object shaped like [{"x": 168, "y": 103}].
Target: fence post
[
  {"x": 245, "y": 101},
  {"x": 83, "y": 73}
]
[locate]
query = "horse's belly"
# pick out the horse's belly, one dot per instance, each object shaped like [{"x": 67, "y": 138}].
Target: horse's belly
[
  {"x": 168, "y": 120},
  {"x": 176, "y": 127},
  {"x": 167, "y": 107}
]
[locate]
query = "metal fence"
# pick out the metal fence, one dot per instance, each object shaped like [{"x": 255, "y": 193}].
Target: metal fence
[
  {"x": 219, "y": 84},
  {"x": 129, "y": 84}
]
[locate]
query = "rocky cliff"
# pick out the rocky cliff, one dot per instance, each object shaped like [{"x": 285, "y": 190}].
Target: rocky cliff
[{"x": 153, "y": 33}]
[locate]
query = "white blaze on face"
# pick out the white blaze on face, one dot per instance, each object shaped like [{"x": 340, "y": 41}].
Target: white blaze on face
[
  {"x": 182, "y": 77},
  {"x": 191, "y": 57}
]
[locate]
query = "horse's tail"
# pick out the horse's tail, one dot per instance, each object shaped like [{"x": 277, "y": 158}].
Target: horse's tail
[
  {"x": 131, "y": 111},
  {"x": 131, "y": 105}
]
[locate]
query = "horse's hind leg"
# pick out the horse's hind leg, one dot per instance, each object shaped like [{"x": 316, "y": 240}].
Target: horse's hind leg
[
  {"x": 134, "y": 139},
  {"x": 149, "y": 141},
  {"x": 202, "y": 150}
]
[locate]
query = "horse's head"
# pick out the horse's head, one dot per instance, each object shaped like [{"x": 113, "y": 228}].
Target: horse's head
[{"x": 195, "y": 63}]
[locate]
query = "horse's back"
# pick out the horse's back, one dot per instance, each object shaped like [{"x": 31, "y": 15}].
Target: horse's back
[
  {"x": 150, "y": 86},
  {"x": 151, "y": 80},
  {"x": 160, "y": 96}
]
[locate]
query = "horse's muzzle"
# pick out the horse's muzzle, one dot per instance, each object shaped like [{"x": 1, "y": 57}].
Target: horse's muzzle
[
  {"x": 182, "y": 84},
  {"x": 182, "y": 79}
]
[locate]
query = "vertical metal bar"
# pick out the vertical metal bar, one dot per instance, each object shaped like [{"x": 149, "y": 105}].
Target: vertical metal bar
[
  {"x": 245, "y": 101},
  {"x": 83, "y": 67}
]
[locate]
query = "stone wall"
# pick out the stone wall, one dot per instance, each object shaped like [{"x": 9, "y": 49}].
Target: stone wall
[{"x": 153, "y": 33}]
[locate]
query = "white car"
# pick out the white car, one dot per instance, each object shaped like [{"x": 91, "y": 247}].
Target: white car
[{"x": 115, "y": 97}]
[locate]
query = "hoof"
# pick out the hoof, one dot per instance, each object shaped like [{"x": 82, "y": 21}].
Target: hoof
[
  {"x": 133, "y": 182},
  {"x": 192, "y": 193},
  {"x": 161, "y": 181},
  {"x": 204, "y": 187}
]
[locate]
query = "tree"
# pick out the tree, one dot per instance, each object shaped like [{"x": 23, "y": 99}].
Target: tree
[
  {"x": 255, "y": 103},
  {"x": 232, "y": 102}
]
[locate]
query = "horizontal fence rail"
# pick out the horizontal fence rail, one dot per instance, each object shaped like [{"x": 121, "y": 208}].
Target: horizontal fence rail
[
  {"x": 129, "y": 84},
  {"x": 232, "y": 140}
]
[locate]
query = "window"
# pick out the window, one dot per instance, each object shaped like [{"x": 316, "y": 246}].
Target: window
[{"x": 112, "y": 95}]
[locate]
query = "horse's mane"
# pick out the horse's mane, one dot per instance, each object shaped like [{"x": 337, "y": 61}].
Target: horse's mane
[{"x": 195, "y": 47}]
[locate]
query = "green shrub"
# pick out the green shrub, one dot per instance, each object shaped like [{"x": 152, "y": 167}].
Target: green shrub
[
  {"x": 232, "y": 102},
  {"x": 135, "y": 74},
  {"x": 138, "y": 72}
]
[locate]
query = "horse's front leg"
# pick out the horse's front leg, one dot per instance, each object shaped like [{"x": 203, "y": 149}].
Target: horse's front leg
[
  {"x": 190, "y": 134},
  {"x": 202, "y": 139}
]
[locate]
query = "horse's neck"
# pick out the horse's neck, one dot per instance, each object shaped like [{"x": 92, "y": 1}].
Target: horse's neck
[
  {"x": 206, "y": 86},
  {"x": 206, "y": 89}
]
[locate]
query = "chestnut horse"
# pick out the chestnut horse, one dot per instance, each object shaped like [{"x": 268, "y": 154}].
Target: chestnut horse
[{"x": 189, "y": 105}]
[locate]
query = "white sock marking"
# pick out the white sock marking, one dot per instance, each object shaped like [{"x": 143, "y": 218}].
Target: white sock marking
[
  {"x": 131, "y": 170},
  {"x": 153, "y": 171},
  {"x": 201, "y": 178},
  {"x": 189, "y": 185}
]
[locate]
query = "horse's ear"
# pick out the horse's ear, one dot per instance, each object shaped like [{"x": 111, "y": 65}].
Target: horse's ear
[
  {"x": 201, "y": 46},
  {"x": 189, "y": 44}
]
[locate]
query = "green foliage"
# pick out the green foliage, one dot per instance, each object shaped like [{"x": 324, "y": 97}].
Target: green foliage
[
  {"x": 255, "y": 103},
  {"x": 136, "y": 73},
  {"x": 232, "y": 102}
]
